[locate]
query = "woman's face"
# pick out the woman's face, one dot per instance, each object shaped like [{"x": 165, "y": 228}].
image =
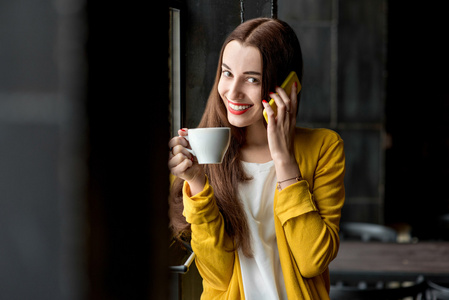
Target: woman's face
[{"x": 240, "y": 85}]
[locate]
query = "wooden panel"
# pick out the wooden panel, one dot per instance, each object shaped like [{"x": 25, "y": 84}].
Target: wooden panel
[
  {"x": 256, "y": 9},
  {"x": 315, "y": 105},
  {"x": 421, "y": 258},
  {"x": 208, "y": 24},
  {"x": 361, "y": 60}
]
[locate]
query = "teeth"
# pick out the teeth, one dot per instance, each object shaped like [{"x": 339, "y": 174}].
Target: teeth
[{"x": 239, "y": 107}]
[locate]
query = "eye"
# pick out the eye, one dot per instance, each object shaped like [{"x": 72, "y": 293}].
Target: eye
[
  {"x": 227, "y": 74},
  {"x": 252, "y": 80}
]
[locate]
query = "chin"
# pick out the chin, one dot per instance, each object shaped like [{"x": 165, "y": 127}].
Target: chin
[
  {"x": 242, "y": 121},
  {"x": 237, "y": 123}
]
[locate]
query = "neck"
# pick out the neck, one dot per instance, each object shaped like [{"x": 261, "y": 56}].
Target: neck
[
  {"x": 256, "y": 146},
  {"x": 256, "y": 135}
]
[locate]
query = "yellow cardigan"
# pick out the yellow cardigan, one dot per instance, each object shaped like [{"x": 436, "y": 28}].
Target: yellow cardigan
[{"x": 306, "y": 217}]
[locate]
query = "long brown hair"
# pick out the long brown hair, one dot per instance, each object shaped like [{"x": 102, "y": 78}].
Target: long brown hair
[{"x": 281, "y": 53}]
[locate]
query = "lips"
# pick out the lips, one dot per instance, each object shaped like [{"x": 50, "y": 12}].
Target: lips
[{"x": 238, "y": 109}]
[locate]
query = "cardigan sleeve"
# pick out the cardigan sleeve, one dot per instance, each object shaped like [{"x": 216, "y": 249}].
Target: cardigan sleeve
[
  {"x": 310, "y": 217},
  {"x": 210, "y": 242}
]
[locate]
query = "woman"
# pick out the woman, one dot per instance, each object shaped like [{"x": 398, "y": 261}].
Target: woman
[{"x": 264, "y": 223}]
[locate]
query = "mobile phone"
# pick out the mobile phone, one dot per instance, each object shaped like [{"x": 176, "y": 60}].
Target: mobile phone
[{"x": 287, "y": 86}]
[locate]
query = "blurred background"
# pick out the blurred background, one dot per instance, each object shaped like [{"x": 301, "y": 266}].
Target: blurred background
[
  {"x": 85, "y": 105},
  {"x": 83, "y": 150}
]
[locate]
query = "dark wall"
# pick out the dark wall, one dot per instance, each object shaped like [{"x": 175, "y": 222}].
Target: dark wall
[
  {"x": 417, "y": 117},
  {"x": 42, "y": 159},
  {"x": 83, "y": 150},
  {"x": 207, "y": 25},
  {"x": 344, "y": 52},
  {"x": 127, "y": 109}
]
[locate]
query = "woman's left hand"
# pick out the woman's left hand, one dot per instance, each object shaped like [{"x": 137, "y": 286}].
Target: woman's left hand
[
  {"x": 281, "y": 128},
  {"x": 281, "y": 134}
]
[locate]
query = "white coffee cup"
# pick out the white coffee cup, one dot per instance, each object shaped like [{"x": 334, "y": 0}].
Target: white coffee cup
[{"x": 209, "y": 144}]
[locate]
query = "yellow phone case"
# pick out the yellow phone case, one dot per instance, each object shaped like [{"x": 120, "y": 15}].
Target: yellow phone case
[{"x": 287, "y": 86}]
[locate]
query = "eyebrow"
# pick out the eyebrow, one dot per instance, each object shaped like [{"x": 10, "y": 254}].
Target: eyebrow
[{"x": 247, "y": 72}]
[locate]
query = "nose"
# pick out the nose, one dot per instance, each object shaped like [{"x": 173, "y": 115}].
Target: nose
[{"x": 235, "y": 91}]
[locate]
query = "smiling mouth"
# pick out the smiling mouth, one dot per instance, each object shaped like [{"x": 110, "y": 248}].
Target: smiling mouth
[{"x": 238, "y": 109}]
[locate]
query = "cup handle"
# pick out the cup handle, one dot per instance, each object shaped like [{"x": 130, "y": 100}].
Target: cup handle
[{"x": 191, "y": 151}]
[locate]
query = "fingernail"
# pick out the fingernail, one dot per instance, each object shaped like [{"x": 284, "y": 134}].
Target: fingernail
[
  {"x": 182, "y": 129},
  {"x": 264, "y": 101},
  {"x": 296, "y": 84}
]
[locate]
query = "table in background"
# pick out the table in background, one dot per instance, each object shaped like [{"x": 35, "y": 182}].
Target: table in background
[{"x": 391, "y": 261}]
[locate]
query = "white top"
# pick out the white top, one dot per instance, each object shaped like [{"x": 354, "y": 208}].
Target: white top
[{"x": 262, "y": 274}]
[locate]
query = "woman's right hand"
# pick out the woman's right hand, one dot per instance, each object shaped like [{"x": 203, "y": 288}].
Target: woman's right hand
[{"x": 182, "y": 163}]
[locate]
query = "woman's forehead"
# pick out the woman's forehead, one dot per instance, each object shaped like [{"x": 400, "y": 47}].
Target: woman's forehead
[{"x": 242, "y": 58}]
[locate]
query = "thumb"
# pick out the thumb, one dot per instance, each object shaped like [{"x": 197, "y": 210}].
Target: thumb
[{"x": 183, "y": 132}]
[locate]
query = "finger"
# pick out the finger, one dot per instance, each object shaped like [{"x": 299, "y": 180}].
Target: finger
[
  {"x": 178, "y": 140},
  {"x": 178, "y": 149},
  {"x": 270, "y": 113},
  {"x": 283, "y": 94},
  {"x": 181, "y": 169},
  {"x": 176, "y": 160},
  {"x": 294, "y": 99},
  {"x": 183, "y": 132},
  {"x": 281, "y": 108},
  {"x": 179, "y": 164},
  {"x": 294, "y": 89}
]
